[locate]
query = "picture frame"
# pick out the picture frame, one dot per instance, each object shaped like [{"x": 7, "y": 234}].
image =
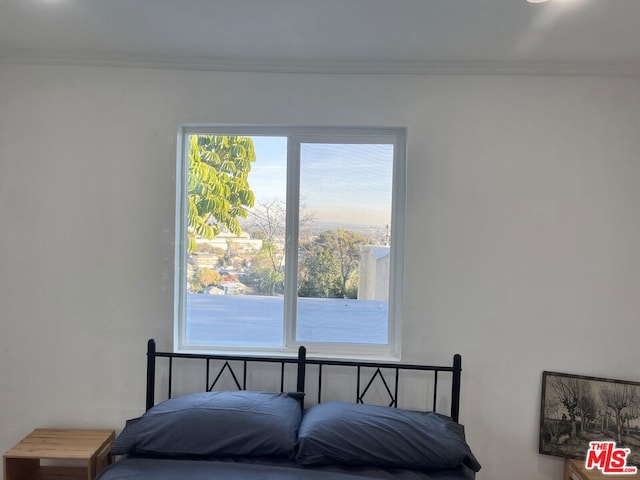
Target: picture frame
[{"x": 576, "y": 410}]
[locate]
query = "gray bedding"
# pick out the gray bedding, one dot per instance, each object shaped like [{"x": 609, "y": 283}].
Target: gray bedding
[
  {"x": 138, "y": 468},
  {"x": 251, "y": 435}
]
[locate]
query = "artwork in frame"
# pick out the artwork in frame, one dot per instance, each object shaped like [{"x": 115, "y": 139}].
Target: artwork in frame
[{"x": 576, "y": 410}]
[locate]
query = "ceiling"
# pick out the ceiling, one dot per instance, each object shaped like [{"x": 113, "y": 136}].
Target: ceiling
[{"x": 599, "y": 37}]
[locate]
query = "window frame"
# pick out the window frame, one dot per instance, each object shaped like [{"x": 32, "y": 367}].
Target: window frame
[{"x": 296, "y": 137}]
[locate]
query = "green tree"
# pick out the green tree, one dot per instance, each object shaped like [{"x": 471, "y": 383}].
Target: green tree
[
  {"x": 268, "y": 270},
  {"x": 319, "y": 273},
  {"x": 218, "y": 187},
  {"x": 329, "y": 265},
  {"x": 348, "y": 252},
  {"x": 267, "y": 223}
]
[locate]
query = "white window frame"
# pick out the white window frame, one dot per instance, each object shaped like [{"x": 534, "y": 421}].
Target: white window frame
[{"x": 297, "y": 136}]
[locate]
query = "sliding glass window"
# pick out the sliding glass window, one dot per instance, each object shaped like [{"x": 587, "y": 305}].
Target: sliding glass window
[{"x": 288, "y": 237}]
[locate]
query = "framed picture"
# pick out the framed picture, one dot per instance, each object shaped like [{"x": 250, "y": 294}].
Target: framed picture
[{"x": 576, "y": 410}]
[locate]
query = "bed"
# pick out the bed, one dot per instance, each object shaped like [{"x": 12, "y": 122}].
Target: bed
[{"x": 292, "y": 432}]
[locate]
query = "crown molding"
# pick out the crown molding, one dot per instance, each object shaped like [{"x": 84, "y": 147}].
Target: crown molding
[{"x": 176, "y": 62}]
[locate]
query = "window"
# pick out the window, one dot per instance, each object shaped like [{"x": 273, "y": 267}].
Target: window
[{"x": 288, "y": 237}]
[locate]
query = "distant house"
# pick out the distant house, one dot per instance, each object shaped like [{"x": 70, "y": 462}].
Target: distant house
[
  {"x": 224, "y": 240},
  {"x": 204, "y": 259},
  {"x": 232, "y": 287}
]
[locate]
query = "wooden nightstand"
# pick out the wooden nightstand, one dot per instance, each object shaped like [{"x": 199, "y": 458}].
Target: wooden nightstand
[
  {"x": 574, "y": 470},
  {"x": 69, "y": 454}
]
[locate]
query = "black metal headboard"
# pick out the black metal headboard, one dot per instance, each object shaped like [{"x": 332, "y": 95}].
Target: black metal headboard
[
  {"x": 381, "y": 371},
  {"x": 153, "y": 354}
]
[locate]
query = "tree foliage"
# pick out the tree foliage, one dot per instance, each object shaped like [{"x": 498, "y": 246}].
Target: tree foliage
[
  {"x": 208, "y": 277},
  {"x": 269, "y": 277},
  {"x": 268, "y": 223},
  {"x": 329, "y": 265},
  {"x": 218, "y": 187}
]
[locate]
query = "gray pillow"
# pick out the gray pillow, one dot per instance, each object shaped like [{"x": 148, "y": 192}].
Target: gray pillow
[
  {"x": 357, "y": 434},
  {"x": 215, "y": 424}
]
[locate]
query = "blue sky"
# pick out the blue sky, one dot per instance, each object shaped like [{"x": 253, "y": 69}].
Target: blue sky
[{"x": 348, "y": 184}]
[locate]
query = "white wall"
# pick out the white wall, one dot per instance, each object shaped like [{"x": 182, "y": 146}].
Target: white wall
[{"x": 522, "y": 239}]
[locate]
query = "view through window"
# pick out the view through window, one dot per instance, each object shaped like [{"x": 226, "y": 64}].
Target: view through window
[{"x": 289, "y": 239}]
